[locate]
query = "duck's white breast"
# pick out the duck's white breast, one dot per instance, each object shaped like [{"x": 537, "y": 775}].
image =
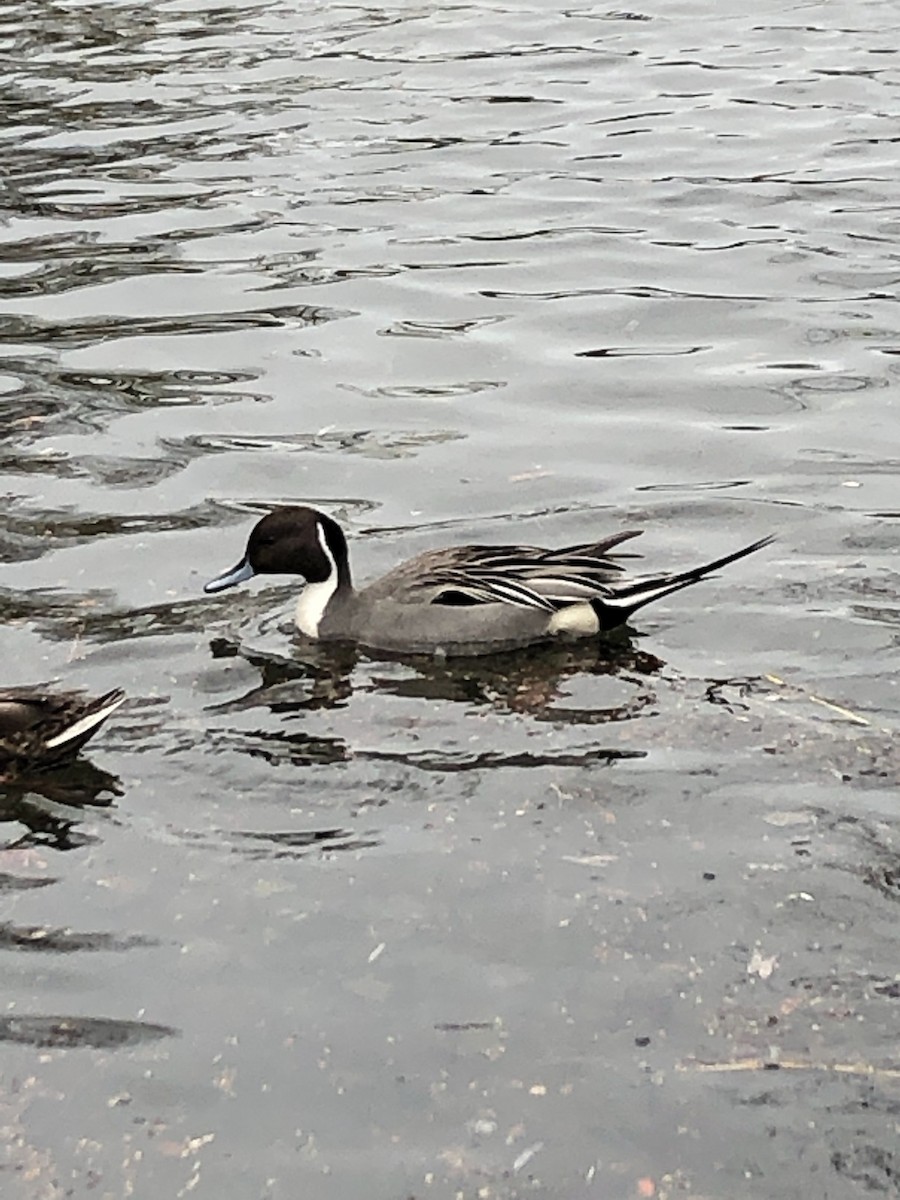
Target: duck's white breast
[
  {"x": 315, "y": 596},
  {"x": 311, "y": 606}
]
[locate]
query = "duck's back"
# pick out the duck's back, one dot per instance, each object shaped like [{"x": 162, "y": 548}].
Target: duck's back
[{"x": 475, "y": 599}]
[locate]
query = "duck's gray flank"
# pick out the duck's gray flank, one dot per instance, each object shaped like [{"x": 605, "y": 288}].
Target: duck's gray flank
[{"x": 458, "y": 600}]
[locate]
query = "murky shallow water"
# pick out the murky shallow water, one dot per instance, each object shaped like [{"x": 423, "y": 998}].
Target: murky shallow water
[{"x": 604, "y": 923}]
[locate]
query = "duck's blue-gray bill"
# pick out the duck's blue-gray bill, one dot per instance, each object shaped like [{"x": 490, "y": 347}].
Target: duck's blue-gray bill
[{"x": 239, "y": 574}]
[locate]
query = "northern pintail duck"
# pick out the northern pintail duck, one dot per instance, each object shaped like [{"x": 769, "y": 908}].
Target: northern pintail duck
[
  {"x": 39, "y": 730},
  {"x": 458, "y": 601}
]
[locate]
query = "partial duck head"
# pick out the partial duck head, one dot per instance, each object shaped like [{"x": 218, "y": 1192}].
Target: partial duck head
[{"x": 292, "y": 541}]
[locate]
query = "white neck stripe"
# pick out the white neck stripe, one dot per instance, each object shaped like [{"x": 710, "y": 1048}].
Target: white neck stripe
[{"x": 315, "y": 597}]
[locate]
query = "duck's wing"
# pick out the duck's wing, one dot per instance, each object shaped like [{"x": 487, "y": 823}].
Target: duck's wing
[
  {"x": 43, "y": 728},
  {"x": 524, "y": 576}
]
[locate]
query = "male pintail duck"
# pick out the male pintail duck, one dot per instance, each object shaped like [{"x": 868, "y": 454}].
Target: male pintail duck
[
  {"x": 40, "y": 730},
  {"x": 459, "y": 601}
]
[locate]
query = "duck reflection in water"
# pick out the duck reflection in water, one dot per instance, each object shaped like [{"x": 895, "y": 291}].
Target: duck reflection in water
[
  {"x": 530, "y": 682},
  {"x": 43, "y": 808}
]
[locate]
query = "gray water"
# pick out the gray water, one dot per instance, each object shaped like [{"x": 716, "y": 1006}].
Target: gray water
[{"x": 608, "y": 922}]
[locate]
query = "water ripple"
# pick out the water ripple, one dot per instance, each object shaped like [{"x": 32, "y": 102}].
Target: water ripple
[{"x": 89, "y": 331}]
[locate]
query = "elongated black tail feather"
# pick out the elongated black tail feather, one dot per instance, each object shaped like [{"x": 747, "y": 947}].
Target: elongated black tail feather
[{"x": 624, "y": 600}]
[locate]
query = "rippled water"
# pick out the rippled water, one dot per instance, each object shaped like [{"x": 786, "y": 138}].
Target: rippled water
[{"x": 608, "y": 922}]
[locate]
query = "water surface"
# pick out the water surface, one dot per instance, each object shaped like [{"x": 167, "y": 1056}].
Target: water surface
[{"x": 606, "y": 922}]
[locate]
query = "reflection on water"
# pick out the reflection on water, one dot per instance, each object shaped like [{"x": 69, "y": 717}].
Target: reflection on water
[
  {"x": 48, "y": 805},
  {"x": 291, "y": 844},
  {"x": 280, "y": 748},
  {"x": 50, "y": 401},
  {"x": 530, "y": 683},
  {"x": 74, "y": 1031},
  {"x": 429, "y": 761},
  {"x": 40, "y": 939},
  {"x": 86, "y": 331}
]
